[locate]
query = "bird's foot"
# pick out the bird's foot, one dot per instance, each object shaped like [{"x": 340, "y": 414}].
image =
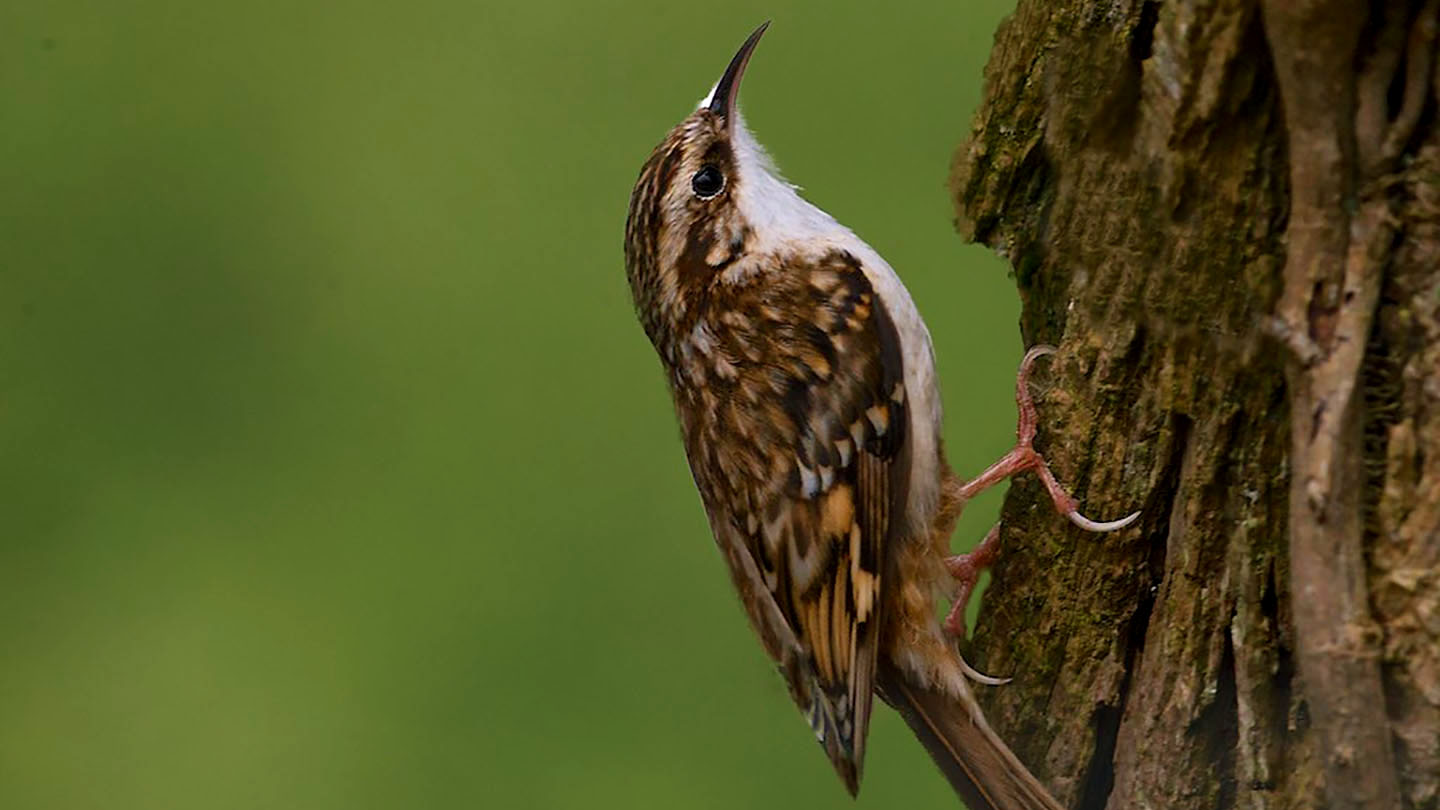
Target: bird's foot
[
  {"x": 966, "y": 568},
  {"x": 1023, "y": 456}
]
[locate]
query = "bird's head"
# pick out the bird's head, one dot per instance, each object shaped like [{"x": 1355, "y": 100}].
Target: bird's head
[{"x": 707, "y": 198}]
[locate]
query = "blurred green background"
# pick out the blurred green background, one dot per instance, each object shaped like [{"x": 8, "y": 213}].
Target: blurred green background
[{"x": 336, "y": 472}]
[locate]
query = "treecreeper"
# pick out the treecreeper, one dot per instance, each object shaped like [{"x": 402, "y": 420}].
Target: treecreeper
[{"x": 804, "y": 382}]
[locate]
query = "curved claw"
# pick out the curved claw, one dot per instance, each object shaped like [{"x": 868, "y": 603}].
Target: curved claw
[
  {"x": 1025, "y": 425},
  {"x": 980, "y": 677},
  {"x": 1037, "y": 351},
  {"x": 1101, "y": 526}
]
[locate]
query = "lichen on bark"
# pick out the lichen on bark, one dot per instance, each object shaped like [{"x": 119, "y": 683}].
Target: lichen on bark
[{"x": 1169, "y": 227}]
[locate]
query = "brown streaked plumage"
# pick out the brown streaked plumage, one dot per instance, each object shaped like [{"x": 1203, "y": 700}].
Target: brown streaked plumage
[{"x": 804, "y": 383}]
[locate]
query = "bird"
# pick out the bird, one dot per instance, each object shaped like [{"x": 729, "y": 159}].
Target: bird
[{"x": 804, "y": 384}]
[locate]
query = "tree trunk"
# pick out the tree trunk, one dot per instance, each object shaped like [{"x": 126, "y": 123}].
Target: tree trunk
[{"x": 1227, "y": 216}]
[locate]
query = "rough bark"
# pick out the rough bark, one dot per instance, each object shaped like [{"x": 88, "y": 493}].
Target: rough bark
[{"x": 1227, "y": 215}]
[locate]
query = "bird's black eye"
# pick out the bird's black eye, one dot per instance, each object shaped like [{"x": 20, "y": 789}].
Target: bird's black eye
[{"x": 707, "y": 182}]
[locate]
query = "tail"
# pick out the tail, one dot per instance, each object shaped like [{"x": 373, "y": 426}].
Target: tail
[{"x": 980, "y": 767}]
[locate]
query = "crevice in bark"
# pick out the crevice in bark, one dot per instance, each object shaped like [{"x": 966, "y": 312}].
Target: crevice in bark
[
  {"x": 1382, "y": 387},
  {"x": 1166, "y": 180},
  {"x": 1181, "y": 427},
  {"x": 1113, "y": 125},
  {"x": 1100, "y": 775},
  {"x": 1283, "y": 716},
  {"x": 1142, "y": 38},
  {"x": 1216, "y": 731}
]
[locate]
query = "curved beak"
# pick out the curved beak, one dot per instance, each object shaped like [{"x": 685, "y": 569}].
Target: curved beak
[{"x": 722, "y": 101}]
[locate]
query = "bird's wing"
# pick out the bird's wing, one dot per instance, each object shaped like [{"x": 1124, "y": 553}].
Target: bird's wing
[{"x": 803, "y": 475}]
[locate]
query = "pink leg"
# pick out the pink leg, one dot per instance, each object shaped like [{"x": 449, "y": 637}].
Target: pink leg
[
  {"x": 966, "y": 568},
  {"x": 1023, "y": 457}
]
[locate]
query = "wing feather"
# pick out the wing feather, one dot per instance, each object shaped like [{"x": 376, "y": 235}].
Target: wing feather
[{"x": 799, "y": 457}]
